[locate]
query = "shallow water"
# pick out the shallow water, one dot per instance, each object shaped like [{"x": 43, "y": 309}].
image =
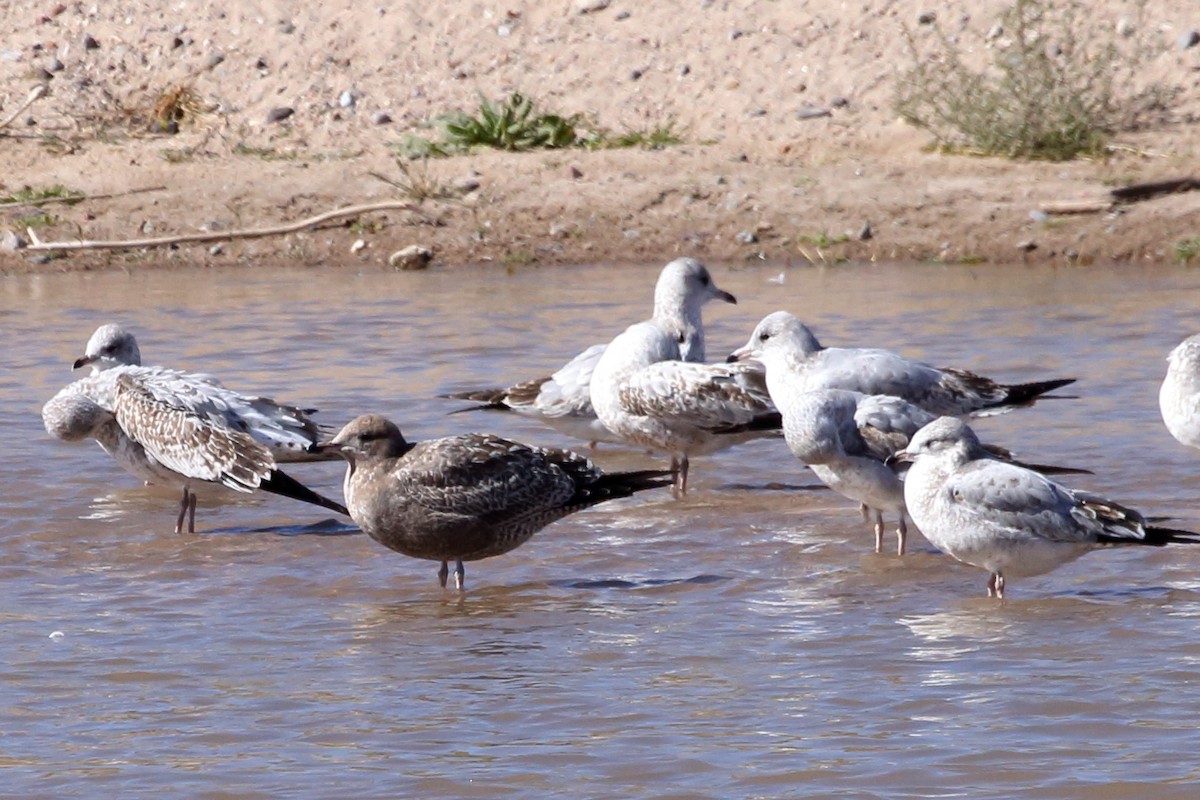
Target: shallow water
[{"x": 743, "y": 643}]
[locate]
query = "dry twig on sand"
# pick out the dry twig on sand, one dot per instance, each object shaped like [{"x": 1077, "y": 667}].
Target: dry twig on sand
[
  {"x": 35, "y": 94},
  {"x": 220, "y": 236}
]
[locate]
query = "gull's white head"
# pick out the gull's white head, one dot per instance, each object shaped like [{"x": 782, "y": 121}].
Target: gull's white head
[
  {"x": 945, "y": 438},
  {"x": 685, "y": 285},
  {"x": 110, "y": 346},
  {"x": 780, "y": 335},
  {"x": 72, "y": 417}
]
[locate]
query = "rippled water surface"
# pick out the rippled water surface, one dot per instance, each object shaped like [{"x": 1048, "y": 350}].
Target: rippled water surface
[{"x": 742, "y": 643}]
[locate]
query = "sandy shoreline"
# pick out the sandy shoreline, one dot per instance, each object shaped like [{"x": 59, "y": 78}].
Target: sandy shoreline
[{"x": 751, "y": 181}]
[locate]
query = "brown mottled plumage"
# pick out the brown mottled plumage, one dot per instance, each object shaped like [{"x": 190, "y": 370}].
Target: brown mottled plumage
[{"x": 464, "y": 498}]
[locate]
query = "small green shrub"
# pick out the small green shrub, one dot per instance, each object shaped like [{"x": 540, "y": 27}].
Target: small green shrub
[
  {"x": 516, "y": 124},
  {"x": 1186, "y": 250},
  {"x": 511, "y": 125},
  {"x": 29, "y": 196},
  {"x": 1061, "y": 88}
]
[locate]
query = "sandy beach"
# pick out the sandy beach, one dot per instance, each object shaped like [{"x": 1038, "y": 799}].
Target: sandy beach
[{"x": 762, "y": 171}]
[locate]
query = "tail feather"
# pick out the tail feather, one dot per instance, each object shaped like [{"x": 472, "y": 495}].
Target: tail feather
[
  {"x": 489, "y": 397},
  {"x": 1157, "y": 537},
  {"x": 1022, "y": 394},
  {"x": 613, "y": 485},
  {"x": 284, "y": 485},
  {"x": 1051, "y": 469},
  {"x": 766, "y": 421}
]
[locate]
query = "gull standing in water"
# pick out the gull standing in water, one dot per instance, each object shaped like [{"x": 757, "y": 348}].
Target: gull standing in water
[
  {"x": 163, "y": 443},
  {"x": 175, "y": 427},
  {"x": 645, "y": 395},
  {"x": 1179, "y": 397},
  {"x": 563, "y": 400},
  {"x": 845, "y": 437},
  {"x": 464, "y": 498},
  {"x": 872, "y": 371},
  {"x": 1006, "y": 519}
]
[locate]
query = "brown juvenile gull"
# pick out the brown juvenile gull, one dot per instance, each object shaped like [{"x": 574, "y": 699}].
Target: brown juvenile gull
[
  {"x": 872, "y": 371},
  {"x": 643, "y": 393},
  {"x": 464, "y": 498},
  {"x": 164, "y": 443},
  {"x": 563, "y": 400},
  {"x": 1006, "y": 519}
]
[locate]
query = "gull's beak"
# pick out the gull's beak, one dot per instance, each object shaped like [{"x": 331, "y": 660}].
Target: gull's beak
[
  {"x": 744, "y": 353},
  {"x": 83, "y": 361},
  {"x": 897, "y": 458},
  {"x": 323, "y": 447},
  {"x": 721, "y": 294}
]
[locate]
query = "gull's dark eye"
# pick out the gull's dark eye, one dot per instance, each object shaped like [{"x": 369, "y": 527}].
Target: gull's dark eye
[
  {"x": 762, "y": 337},
  {"x": 704, "y": 280}
]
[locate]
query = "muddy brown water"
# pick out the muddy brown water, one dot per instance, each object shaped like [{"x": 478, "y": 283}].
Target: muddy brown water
[{"x": 742, "y": 643}]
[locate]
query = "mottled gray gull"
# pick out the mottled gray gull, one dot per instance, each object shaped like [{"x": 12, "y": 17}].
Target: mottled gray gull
[
  {"x": 288, "y": 431},
  {"x": 1179, "y": 397},
  {"x": 643, "y": 393},
  {"x": 1006, "y": 519},
  {"x": 563, "y": 400},
  {"x": 873, "y": 371},
  {"x": 88, "y": 408},
  {"x": 163, "y": 443},
  {"x": 464, "y": 498}
]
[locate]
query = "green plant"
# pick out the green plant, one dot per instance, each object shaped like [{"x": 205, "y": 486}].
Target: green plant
[
  {"x": 265, "y": 153},
  {"x": 511, "y": 125},
  {"x": 39, "y": 220},
  {"x": 823, "y": 239},
  {"x": 1059, "y": 85},
  {"x": 655, "y": 138},
  {"x": 31, "y": 197},
  {"x": 1187, "y": 249}
]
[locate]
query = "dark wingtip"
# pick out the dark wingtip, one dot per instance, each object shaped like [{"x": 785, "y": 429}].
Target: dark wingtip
[
  {"x": 1020, "y": 394},
  {"x": 284, "y": 485}
]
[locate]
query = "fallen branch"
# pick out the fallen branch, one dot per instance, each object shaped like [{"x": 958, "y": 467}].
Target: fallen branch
[
  {"x": 219, "y": 236},
  {"x": 1146, "y": 191},
  {"x": 35, "y": 94},
  {"x": 78, "y": 198},
  {"x": 1092, "y": 206},
  {"x": 1134, "y": 193}
]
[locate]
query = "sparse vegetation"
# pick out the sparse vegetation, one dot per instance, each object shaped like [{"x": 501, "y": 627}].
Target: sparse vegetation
[
  {"x": 265, "y": 153},
  {"x": 39, "y": 220},
  {"x": 1186, "y": 250},
  {"x": 823, "y": 239},
  {"x": 512, "y": 125},
  {"x": 1060, "y": 85},
  {"x": 174, "y": 106},
  {"x": 516, "y": 124},
  {"x": 29, "y": 196}
]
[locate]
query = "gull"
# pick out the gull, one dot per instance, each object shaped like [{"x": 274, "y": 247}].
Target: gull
[
  {"x": 288, "y": 431},
  {"x": 1009, "y": 520},
  {"x": 88, "y": 408},
  {"x": 563, "y": 400},
  {"x": 872, "y": 371},
  {"x": 845, "y": 437},
  {"x": 1179, "y": 397},
  {"x": 165, "y": 443},
  {"x": 645, "y": 395},
  {"x": 464, "y": 498}
]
